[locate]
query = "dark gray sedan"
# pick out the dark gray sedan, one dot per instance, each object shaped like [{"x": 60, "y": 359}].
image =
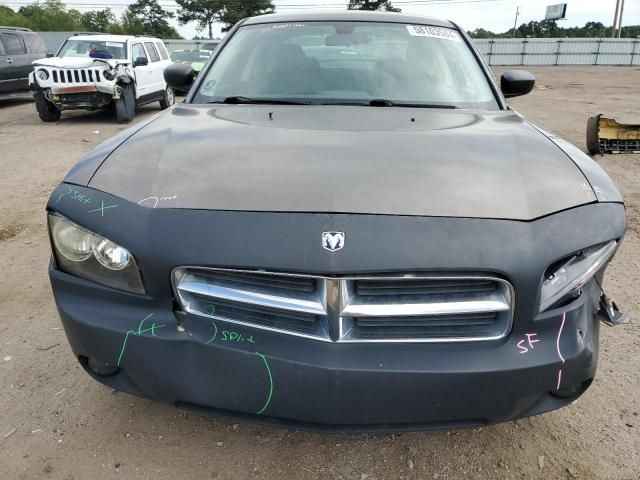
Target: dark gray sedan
[{"x": 344, "y": 226}]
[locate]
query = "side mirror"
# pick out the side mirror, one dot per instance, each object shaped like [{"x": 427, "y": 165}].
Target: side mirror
[
  {"x": 140, "y": 62},
  {"x": 516, "y": 82},
  {"x": 179, "y": 76}
]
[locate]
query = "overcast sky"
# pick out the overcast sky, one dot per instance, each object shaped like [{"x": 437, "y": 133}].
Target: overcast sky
[{"x": 494, "y": 15}]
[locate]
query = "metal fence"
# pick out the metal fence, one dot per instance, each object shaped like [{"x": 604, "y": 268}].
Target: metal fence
[
  {"x": 173, "y": 45},
  {"x": 560, "y": 51},
  {"x": 499, "y": 51}
]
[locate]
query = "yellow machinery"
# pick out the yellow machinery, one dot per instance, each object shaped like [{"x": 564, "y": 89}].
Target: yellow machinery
[{"x": 605, "y": 135}]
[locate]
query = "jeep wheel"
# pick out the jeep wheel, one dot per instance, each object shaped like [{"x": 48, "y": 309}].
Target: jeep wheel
[
  {"x": 126, "y": 104},
  {"x": 47, "y": 111},
  {"x": 168, "y": 99}
]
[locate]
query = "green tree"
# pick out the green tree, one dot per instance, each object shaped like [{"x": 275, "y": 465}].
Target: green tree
[
  {"x": 236, "y": 10},
  {"x": 482, "y": 33},
  {"x": 10, "y": 18},
  {"x": 51, "y": 16},
  {"x": 204, "y": 12},
  {"x": 147, "y": 17},
  {"x": 374, "y": 5},
  {"x": 99, "y": 20}
]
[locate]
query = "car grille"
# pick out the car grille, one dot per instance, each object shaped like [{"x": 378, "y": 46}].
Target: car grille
[
  {"x": 83, "y": 75},
  {"x": 399, "y": 308}
]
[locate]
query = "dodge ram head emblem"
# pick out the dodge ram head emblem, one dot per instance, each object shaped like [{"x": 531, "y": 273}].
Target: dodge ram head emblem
[{"x": 332, "y": 241}]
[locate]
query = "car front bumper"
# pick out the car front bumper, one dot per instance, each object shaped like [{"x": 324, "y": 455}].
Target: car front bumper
[{"x": 189, "y": 361}]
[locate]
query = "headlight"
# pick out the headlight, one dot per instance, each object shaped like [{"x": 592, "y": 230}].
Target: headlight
[
  {"x": 88, "y": 255},
  {"x": 570, "y": 274},
  {"x": 42, "y": 75},
  {"x": 109, "y": 74}
]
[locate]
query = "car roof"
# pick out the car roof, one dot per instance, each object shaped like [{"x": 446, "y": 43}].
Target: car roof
[
  {"x": 113, "y": 38},
  {"x": 348, "y": 16}
]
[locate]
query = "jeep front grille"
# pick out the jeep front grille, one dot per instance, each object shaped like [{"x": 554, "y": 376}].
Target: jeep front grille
[
  {"x": 72, "y": 76},
  {"x": 397, "y": 308}
]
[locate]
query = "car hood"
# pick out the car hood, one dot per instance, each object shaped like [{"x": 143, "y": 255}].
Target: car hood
[
  {"x": 76, "y": 62},
  {"x": 335, "y": 159}
]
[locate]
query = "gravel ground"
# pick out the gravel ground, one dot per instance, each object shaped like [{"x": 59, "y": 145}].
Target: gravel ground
[{"x": 56, "y": 422}]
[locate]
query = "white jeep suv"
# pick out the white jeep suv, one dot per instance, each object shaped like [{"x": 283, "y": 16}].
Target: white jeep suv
[{"x": 97, "y": 71}]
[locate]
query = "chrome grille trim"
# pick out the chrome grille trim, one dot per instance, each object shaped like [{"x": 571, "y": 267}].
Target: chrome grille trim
[
  {"x": 277, "y": 302},
  {"x": 342, "y": 316}
]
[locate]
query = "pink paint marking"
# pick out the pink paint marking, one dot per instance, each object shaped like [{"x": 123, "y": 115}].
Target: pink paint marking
[
  {"x": 559, "y": 379},
  {"x": 522, "y": 348},
  {"x": 530, "y": 338},
  {"x": 558, "y": 339}
]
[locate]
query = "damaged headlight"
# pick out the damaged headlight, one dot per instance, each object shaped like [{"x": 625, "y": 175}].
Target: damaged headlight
[
  {"x": 109, "y": 74},
  {"x": 88, "y": 255},
  {"x": 42, "y": 75},
  {"x": 566, "y": 277}
]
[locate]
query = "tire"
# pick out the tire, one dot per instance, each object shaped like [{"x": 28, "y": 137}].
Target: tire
[
  {"x": 593, "y": 129},
  {"x": 47, "y": 111},
  {"x": 168, "y": 99},
  {"x": 126, "y": 104}
]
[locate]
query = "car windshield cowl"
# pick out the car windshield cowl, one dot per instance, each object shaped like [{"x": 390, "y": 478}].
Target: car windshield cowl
[
  {"x": 239, "y": 100},
  {"x": 377, "y": 64},
  {"x": 378, "y": 102}
]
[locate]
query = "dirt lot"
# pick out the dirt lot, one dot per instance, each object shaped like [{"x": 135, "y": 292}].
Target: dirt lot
[{"x": 56, "y": 422}]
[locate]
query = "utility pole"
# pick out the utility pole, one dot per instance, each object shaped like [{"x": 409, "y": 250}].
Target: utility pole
[
  {"x": 515, "y": 22},
  {"x": 620, "y": 20},
  {"x": 615, "y": 20}
]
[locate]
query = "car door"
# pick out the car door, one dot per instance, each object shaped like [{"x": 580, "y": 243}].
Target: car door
[
  {"x": 15, "y": 63},
  {"x": 143, "y": 72},
  {"x": 156, "y": 69}
]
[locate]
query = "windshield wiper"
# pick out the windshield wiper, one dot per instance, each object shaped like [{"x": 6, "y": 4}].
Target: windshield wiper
[
  {"x": 381, "y": 102},
  {"x": 238, "y": 99}
]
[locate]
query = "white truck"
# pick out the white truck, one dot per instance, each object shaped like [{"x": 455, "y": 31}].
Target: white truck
[{"x": 98, "y": 71}]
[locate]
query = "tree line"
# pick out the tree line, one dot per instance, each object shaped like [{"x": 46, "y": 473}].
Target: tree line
[
  {"x": 550, "y": 29},
  {"x": 144, "y": 17}
]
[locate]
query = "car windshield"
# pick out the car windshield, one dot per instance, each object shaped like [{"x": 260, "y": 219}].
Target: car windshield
[
  {"x": 365, "y": 63},
  {"x": 190, "y": 56},
  {"x": 93, "y": 49}
]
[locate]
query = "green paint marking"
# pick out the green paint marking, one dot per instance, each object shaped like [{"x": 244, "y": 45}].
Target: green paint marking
[
  {"x": 102, "y": 208},
  {"x": 266, "y": 364},
  {"x": 124, "y": 345},
  {"x": 63, "y": 194},
  {"x": 215, "y": 332},
  {"x": 144, "y": 320},
  {"x": 151, "y": 329}
]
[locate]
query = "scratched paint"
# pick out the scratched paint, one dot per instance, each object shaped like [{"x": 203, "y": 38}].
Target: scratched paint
[{"x": 138, "y": 332}]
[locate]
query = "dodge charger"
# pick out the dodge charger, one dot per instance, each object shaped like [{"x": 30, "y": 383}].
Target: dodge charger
[{"x": 343, "y": 226}]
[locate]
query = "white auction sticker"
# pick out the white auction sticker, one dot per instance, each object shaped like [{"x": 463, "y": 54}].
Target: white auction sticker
[
  {"x": 434, "y": 32},
  {"x": 113, "y": 44}
]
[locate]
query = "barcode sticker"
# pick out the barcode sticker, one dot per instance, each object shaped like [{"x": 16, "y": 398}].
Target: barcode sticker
[{"x": 434, "y": 32}]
